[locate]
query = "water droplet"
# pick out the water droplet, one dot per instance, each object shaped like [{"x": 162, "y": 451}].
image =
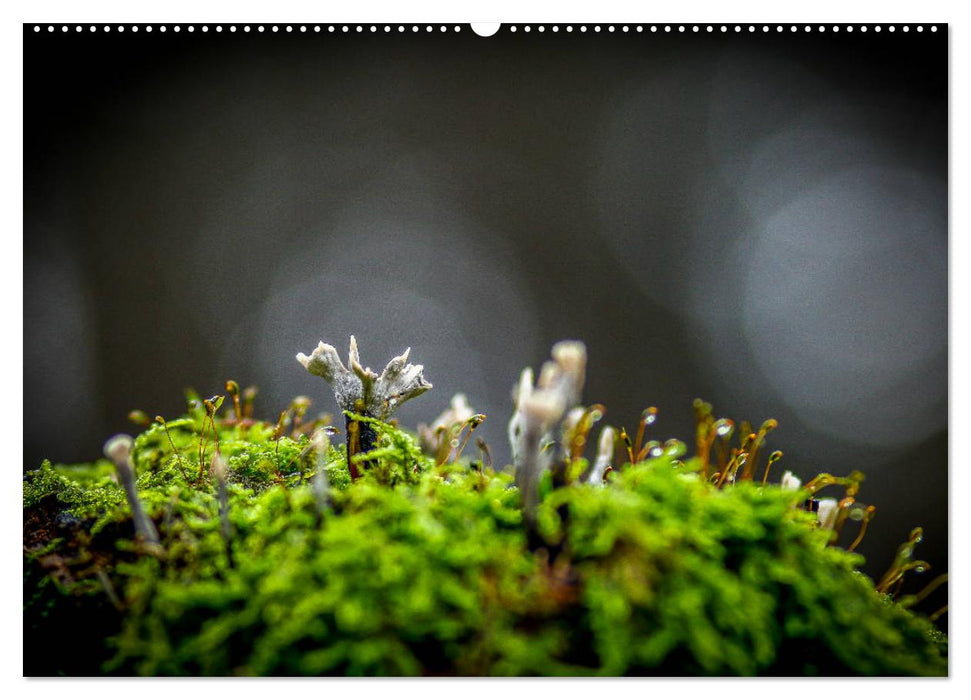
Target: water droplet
[
  {"x": 650, "y": 415},
  {"x": 920, "y": 569},
  {"x": 917, "y": 535},
  {"x": 454, "y": 442},
  {"x": 724, "y": 427},
  {"x": 656, "y": 451},
  {"x": 674, "y": 447},
  {"x": 596, "y": 415}
]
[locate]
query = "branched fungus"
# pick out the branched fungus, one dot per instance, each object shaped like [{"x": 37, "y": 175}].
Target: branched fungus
[{"x": 362, "y": 391}]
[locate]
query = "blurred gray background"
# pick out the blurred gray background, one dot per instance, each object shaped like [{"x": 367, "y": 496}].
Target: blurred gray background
[{"x": 758, "y": 220}]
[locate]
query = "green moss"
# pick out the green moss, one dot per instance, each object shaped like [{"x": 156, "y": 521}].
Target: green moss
[
  {"x": 418, "y": 568},
  {"x": 82, "y": 490}
]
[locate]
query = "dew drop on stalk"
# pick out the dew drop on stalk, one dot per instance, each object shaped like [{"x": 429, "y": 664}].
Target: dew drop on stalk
[{"x": 724, "y": 427}]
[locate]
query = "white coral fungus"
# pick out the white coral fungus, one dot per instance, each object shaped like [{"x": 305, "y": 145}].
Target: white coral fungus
[{"x": 362, "y": 390}]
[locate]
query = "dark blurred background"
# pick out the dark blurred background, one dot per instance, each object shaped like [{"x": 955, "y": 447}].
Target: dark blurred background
[{"x": 756, "y": 219}]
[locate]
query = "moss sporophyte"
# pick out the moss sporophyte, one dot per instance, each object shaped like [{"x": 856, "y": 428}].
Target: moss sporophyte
[{"x": 216, "y": 543}]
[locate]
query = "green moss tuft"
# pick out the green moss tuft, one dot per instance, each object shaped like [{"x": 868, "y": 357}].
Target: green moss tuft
[{"x": 418, "y": 568}]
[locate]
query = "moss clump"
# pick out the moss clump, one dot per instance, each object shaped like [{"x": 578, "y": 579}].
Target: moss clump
[{"x": 422, "y": 568}]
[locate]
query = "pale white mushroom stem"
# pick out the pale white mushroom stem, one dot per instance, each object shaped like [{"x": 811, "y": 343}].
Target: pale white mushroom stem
[
  {"x": 457, "y": 414},
  {"x": 826, "y": 513},
  {"x": 221, "y": 471},
  {"x": 321, "y": 485},
  {"x": 517, "y": 424},
  {"x": 790, "y": 482},
  {"x": 605, "y": 455},
  {"x": 118, "y": 450},
  {"x": 538, "y": 415}
]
